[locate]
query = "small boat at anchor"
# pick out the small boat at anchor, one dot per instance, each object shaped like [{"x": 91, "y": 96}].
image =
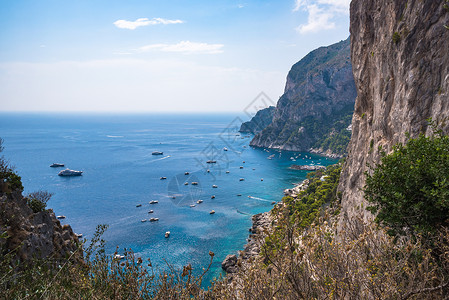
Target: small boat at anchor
[
  {"x": 157, "y": 153},
  {"x": 212, "y": 212},
  {"x": 68, "y": 172},
  {"x": 154, "y": 219},
  {"x": 154, "y": 202},
  {"x": 199, "y": 201},
  {"x": 56, "y": 165},
  {"x": 167, "y": 234}
]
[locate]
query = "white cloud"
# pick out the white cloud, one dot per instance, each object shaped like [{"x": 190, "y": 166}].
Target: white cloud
[
  {"x": 186, "y": 47},
  {"x": 144, "y": 22},
  {"x": 320, "y": 13},
  {"x": 318, "y": 20}
]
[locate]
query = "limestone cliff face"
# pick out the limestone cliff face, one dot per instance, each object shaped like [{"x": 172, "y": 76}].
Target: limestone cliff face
[
  {"x": 400, "y": 59},
  {"x": 319, "y": 91},
  {"x": 34, "y": 235},
  {"x": 259, "y": 122}
]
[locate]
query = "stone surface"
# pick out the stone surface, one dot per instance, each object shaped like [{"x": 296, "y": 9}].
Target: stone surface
[
  {"x": 259, "y": 122},
  {"x": 34, "y": 235},
  {"x": 400, "y": 60},
  {"x": 319, "y": 90}
]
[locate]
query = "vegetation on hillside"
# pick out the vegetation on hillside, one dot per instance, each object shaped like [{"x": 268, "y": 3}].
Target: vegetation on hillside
[
  {"x": 302, "y": 256},
  {"x": 409, "y": 188}
]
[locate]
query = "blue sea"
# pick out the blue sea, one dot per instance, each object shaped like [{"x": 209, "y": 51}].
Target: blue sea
[{"x": 114, "y": 151}]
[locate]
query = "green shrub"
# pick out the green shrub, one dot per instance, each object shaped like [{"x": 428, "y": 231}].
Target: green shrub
[
  {"x": 409, "y": 188},
  {"x": 37, "y": 201},
  {"x": 396, "y": 37}
]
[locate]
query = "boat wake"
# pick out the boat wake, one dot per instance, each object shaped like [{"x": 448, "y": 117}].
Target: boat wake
[
  {"x": 243, "y": 213},
  {"x": 260, "y": 199},
  {"x": 159, "y": 159}
]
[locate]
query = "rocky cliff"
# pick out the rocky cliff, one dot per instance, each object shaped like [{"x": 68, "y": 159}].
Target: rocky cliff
[
  {"x": 259, "y": 122},
  {"x": 400, "y": 61},
  {"x": 28, "y": 235},
  {"x": 317, "y": 102}
]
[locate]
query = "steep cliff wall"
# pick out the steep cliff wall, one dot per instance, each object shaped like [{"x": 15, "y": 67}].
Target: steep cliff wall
[
  {"x": 260, "y": 121},
  {"x": 400, "y": 59},
  {"x": 30, "y": 235},
  {"x": 318, "y": 101}
]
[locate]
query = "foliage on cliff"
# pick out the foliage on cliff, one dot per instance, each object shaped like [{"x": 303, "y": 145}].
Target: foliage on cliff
[
  {"x": 409, "y": 188},
  {"x": 317, "y": 104}
]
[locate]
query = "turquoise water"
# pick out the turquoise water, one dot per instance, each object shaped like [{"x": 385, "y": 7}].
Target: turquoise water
[{"x": 120, "y": 172}]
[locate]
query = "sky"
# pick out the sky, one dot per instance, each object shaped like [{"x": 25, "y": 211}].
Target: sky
[{"x": 156, "y": 56}]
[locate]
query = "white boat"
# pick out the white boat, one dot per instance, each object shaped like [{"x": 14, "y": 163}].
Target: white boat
[
  {"x": 227, "y": 172},
  {"x": 151, "y": 211},
  {"x": 212, "y": 197},
  {"x": 163, "y": 178},
  {"x": 225, "y": 149},
  {"x": 118, "y": 256},
  {"x": 192, "y": 205},
  {"x": 79, "y": 235},
  {"x": 55, "y": 165},
  {"x": 167, "y": 234},
  {"x": 242, "y": 179},
  {"x": 212, "y": 212},
  {"x": 194, "y": 183},
  {"x": 186, "y": 183},
  {"x": 154, "y": 219},
  {"x": 154, "y": 202},
  {"x": 199, "y": 201},
  {"x": 68, "y": 172},
  {"x": 60, "y": 217},
  {"x": 144, "y": 220},
  {"x": 157, "y": 153},
  {"x": 186, "y": 173},
  {"x": 215, "y": 186}
]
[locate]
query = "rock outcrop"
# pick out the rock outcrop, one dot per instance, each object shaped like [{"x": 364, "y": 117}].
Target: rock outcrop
[
  {"x": 318, "y": 101},
  {"x": 400, "y": 60},
  {"x": 259, "y": 122},
  {"x": 32, "y": 235}
]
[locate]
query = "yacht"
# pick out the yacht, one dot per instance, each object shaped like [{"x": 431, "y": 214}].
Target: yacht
[
  {"x": 167, "y": 234},
  {"x": 154, "y": 202},
  {"x": 55, "y": 165},
  {"x": 157, "y": 153},
  {"x": 68, "y": 172}
]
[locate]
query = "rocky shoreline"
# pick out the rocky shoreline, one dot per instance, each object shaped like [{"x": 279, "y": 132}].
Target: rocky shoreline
[
  {"x": 328, "y": 153},
  {"x": 232, "y": 262},
  {"x": 307, "y": 167}
]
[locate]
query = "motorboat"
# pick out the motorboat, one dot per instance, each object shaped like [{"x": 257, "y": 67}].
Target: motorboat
[
  {"x": 225, "y": 149},
  {"x": 55, "y": 165},
  {"x": 151, "y": 211},
  {"x": 144, "y": 220},
  {"x": 192, "y": 205},
  {"x": 79, "y": 235},
  {"x": 186, "y": 173},
  {"x": 154, "y": 202},
  {"x": 157, "y": 153},
  {"x": 186, "y": 183},
  {"x": 68, "y": 172},
  {"x": 227, "y": 172},
  {"x": 215, "y": 186},
  {"x": 212, "y": 212},
  {"x": 194, "y": 183},
  {"x": 211, "y": 162},
  {"x": 163, "y": 178},
  {"x": 154, "y": 219},
  {"x": 118, "y": 256},
  {"x": 212, "y": 197},
  {"x": 199, "y": 201},
  {"x": 138, "y": 205},
  {"x": 242, "y": 179},
  {"x": 60, "y": 217},
  {"x": 167, "y": 234}
]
